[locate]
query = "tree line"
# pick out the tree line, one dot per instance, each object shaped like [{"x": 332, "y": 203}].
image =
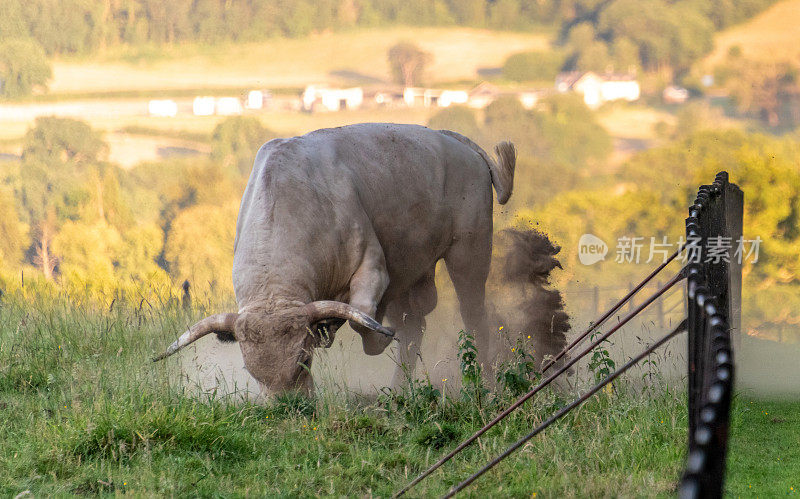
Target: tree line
[
  {"x": 619, "y": 35},
  {"x": 632, "y": 35},
  {"x": 84, "y": 221},
  {"x": 78, "y": 219},
  {"x": 68, "y": 215},
  {"x": 80, "y": 26}
]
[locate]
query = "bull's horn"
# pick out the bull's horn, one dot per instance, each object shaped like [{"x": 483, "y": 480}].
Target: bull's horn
[
  {"x": 219, "y": 323},
  {"x": 320, "y": 310}
]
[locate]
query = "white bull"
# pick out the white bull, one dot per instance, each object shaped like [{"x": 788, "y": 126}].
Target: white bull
[{"x": 347, "y": 224}]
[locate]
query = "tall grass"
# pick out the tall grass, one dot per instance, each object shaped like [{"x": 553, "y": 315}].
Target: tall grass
[{"x": 83, "y": 410}]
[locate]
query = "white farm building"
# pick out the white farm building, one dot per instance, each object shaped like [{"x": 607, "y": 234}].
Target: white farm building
[
  {"x": 597, "y": 89},
  {"x": 316, "y": 98}
]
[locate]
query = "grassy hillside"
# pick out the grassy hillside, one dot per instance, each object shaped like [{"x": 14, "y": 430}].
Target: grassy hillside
[
  {"x": 772, "y": 35},
  {"x": 458, "y": 53}
]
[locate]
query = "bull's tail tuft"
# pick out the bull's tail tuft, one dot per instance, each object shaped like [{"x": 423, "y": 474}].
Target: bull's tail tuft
[{"x": 503, "y": 170}]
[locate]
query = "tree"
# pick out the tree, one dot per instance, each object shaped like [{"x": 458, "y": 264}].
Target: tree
[
  {"x": 88, "y": 252},
  {"x": 12, "y": 22},
  {"x": 208, "y": 264},
  {"x": 63, "y": 142},
  {"x": 459, "y": 119},
  {"x": 767, "y": 90},
  {"x": 555, "y": 142},
  {"x": 13, "y": 233},
  {"x": 236, "y": 140},
  {"x": 669, "y": 36},
  {"x": 23, "y": 67},
  {"x": 139, "y": 252},
  {"x": 504, "y": 14},
  {"x": 468, "y": 12},
  {"x": 569, "y": 132},
  {"x": 504, "y": 112},
  {"x": 57, "y": 154},
  {"x": 408, "y": 62},
  {"x": 765, "y": 167},
  {"x": 593, "y": 57},
  {"x": 625, "y": 55},
  {"x": 533, "y": 66}
]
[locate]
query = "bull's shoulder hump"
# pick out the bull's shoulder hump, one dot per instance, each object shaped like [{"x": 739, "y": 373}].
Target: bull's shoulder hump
[
  {"x": 267, "y": 148},
  {"x": 364, "y": 131}
]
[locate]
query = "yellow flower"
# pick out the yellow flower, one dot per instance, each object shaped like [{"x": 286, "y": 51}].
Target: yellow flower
[
  {"x": 444, "y": 380},
  {"x": 512, "y": 349}
]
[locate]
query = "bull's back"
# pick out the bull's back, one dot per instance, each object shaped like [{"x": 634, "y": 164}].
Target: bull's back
[{"x": 419, "y": 188}]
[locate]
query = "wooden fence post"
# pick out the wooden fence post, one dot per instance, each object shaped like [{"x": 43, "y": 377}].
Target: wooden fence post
[{"x": 187, "y": 297}]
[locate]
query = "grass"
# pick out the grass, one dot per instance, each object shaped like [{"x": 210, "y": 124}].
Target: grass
[
  {"x": 85, "y": 412},
  {"x": 357, "y": 56},
  {"x": 764, "y": 451},
  {"x": 770, "y": 36},
  {"x": 166, "y": 133}
]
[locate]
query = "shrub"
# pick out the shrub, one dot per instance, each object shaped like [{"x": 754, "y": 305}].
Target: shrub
[{"x": 532, "y": 66}]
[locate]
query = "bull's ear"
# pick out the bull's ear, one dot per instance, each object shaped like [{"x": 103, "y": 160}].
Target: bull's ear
[
  {"x": 225, "y": 336},
  {"x": 321, "y": 310}
]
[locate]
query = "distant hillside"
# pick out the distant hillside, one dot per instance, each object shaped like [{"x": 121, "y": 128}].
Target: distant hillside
[
  {"x": 772, "y": 35},
  {"x": 358, "y": 56}
]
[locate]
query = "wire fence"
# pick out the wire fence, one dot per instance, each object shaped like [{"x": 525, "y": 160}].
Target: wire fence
[
  {"x": 714, "y": 325},
  {"x": 712, "y": 301}
]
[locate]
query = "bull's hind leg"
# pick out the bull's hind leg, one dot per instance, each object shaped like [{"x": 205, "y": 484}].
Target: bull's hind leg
[
  {"x": 468, "y": 261},
  {"x": 407, "y": 315}
]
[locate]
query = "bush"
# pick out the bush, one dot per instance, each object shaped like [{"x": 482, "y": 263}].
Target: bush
[
  {"x": 23, "y": 66},
  {"x": 532, "y": 66},
  {"x": 459, "y": 119}
]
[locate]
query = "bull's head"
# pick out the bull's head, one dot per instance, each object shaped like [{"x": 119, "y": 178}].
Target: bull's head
[{"x": 277, "y": 346}]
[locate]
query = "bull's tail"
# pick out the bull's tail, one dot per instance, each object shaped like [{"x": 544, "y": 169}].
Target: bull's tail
[{"x": 502, "y": 170}]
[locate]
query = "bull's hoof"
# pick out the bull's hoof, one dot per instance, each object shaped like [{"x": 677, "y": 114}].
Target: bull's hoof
[{"x": 375, "y": 343}]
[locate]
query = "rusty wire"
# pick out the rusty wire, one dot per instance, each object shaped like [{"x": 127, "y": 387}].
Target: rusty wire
[
  {"x": 681, "y": 327},
  {"x": 594, "y": 325},
  {"x": 678, "y": 277}
]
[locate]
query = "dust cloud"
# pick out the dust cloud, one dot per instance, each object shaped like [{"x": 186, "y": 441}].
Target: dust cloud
[{"x": 519, "y": 298}]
